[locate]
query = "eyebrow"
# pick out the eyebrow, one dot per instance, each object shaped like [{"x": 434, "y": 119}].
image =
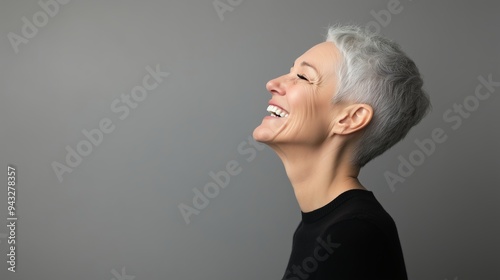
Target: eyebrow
[{"x": 305, "y": 63}]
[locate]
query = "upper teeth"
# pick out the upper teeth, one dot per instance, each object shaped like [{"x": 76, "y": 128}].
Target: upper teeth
[{"x": 276, "y": 110}]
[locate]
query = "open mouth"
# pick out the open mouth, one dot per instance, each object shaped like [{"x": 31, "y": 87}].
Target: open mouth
[{"x": 277, "y": 111}]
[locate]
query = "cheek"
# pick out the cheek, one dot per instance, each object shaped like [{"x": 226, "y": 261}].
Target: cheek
[{"x": 306, "y": 119}]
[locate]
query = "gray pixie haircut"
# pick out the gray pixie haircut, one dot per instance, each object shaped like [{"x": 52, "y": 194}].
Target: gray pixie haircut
[{"x": 375, "y": 71}]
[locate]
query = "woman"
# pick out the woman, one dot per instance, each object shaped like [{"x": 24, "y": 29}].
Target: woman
[{"x": 344, "y": 102}]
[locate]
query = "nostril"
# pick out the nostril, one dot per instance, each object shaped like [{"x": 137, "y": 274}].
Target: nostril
[
  {"x": 270, "y": 85},
  {"x": 275, "y": 86}
]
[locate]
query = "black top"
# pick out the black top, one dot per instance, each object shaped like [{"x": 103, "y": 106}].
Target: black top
[{"x": 352, "y": 237}]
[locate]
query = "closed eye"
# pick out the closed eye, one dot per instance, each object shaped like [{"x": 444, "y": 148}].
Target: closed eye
[{"x": 302, "y": 77}]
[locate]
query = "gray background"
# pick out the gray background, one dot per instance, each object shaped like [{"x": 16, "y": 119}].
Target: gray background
[{"x": 119, "y": 207}]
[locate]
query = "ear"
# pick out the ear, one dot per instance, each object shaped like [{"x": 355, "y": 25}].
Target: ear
[{"x": 352, "y": 118}]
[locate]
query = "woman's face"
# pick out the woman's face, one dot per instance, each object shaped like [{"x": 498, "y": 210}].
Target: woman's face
[{"x": 304, "y": 98}]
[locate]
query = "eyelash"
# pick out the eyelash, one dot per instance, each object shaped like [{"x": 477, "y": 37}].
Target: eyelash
[{"x": 302, "y": 77}]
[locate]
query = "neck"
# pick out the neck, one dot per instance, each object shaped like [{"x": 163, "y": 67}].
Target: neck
[{"x": 319, "y": 174}]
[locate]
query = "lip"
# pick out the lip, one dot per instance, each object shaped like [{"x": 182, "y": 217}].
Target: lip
[
  {"x": 274, "y": 104},
  {"x": 271, "y": 117}
]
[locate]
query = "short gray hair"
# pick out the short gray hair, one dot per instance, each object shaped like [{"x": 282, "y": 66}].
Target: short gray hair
[{"x": 375, "y": 71}]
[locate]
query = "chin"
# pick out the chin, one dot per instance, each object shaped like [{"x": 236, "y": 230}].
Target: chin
[
  {"x": 269, "y": 129},
  {"x": 260, "y": 135},
  {"x": 264, "y": 134}
]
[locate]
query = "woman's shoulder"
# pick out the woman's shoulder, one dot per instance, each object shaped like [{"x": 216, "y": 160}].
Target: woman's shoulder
[{"x": 361, "y": 213}]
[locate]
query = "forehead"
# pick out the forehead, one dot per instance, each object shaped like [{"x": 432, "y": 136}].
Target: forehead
[{"x": 323, "y": 56}]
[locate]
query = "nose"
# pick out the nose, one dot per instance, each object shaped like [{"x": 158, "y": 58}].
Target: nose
[{"x": 276, "y": 86}]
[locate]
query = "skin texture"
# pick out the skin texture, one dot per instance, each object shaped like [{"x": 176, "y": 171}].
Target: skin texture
[{"x": 315, "y": 142}]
